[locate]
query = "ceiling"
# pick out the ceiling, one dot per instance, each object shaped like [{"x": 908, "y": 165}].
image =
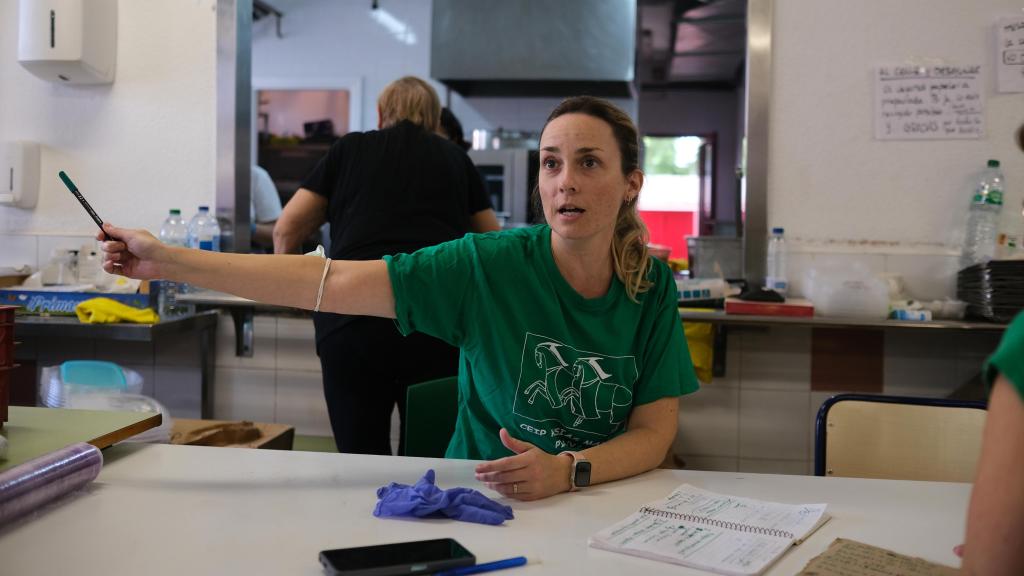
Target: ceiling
[
  {"x": 691, "y": 43},
  {"x": 683, "y": 44}
]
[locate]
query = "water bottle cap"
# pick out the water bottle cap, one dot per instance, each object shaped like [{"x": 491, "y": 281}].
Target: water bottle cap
[
  {"x": 778, "y": 230},
  {"x": 993, "y": 163},
  {"x": 204, "y": 208},
  {"x": 175, "y": 212}
]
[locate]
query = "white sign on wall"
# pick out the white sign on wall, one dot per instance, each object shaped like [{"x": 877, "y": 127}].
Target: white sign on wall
[
  {"x": 1010, "y": 54},
  {"x": 929, "y": 103}
]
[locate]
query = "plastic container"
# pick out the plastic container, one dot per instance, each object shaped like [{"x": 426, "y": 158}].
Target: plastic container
[
  {"x": 174, "y": 232},
  {"x": 691, "y": 290},
  {"x": 983, "y": 217},
  {"x": 850, "y": 291},
  {"x": 776, "y": 277},
  {"x": 715, "y": 257}
]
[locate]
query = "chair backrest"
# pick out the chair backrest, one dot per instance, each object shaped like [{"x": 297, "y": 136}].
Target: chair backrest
[
  {"x": 430, "y": 411},
  {"x": 898, "y": 437}
]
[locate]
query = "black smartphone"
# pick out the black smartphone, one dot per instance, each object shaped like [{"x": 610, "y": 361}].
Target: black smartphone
[
  {"x": 419, "y": 557},
  {"x": 81, "y": 199}
]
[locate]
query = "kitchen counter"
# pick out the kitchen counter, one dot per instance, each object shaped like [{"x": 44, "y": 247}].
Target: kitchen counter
[
  {"x": 71, "y": 327},
  {"x": 242, "y": 312},
  {"x": 721, "y": 318},
  {"x": 175, "y": 357}
]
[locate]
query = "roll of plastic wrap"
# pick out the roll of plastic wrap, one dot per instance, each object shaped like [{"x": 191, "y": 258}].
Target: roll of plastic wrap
[{"x": 37, "y": 482}]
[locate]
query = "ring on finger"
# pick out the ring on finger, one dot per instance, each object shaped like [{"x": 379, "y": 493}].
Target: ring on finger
[{"x": 515, "y": 487}]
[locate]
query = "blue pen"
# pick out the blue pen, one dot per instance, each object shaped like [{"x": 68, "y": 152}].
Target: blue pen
[{"x": 486, "y": 567}]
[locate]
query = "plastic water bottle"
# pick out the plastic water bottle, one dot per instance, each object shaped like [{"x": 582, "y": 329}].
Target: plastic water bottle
[
  {"x": 775, "y": 271},
  {"x": 174, "y": 232},
  {"x": 983, "y": 218},
  {"x": 204, "y": 231}
]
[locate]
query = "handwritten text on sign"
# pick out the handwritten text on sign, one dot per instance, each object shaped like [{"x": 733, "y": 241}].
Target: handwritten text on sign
[
  {"x": 928, "y": 103},
  {"x": 1010, "y": 56}
]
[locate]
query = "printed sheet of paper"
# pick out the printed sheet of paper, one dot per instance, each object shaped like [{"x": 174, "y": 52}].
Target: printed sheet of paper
[
  {"x": 796, "y": 519},
  {"x": 851, "y": 558},
  {"x": 929, "y": 103},
  {"x": 691, "y": 544},
  {"x": 1010, "y": 54}
]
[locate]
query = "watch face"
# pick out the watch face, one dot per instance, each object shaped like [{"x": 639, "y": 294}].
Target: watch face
[{"x": 582, "y": 476}]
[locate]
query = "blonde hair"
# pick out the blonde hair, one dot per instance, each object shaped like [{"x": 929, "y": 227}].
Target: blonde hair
[
  {"x": 410, "y": 98},
  {"x": 629, "y": 243}
]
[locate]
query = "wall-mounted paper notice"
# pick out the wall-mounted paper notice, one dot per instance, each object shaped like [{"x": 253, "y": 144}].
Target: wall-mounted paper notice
[
  {"x": 1010, "y": 54},
  {"x": 928, "y": 103}
]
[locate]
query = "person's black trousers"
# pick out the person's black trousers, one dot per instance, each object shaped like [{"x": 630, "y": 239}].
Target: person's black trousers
[{"x": 367, "y": 366}]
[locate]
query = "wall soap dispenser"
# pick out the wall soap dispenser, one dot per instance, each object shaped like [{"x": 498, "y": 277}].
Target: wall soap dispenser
[
  {"x": 68, "y": 41},
  {"x": 19, "y": 174}
]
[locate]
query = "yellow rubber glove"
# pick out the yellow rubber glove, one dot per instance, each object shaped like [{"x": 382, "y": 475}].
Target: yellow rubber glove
[
  {"x": 700, "y": 337},
  {"x": 107, "y": 311}
]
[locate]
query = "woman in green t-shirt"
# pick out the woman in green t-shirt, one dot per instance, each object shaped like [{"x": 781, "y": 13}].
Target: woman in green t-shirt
[{"x": 573, "y": 356}]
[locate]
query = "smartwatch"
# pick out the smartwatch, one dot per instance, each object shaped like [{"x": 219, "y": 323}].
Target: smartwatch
[{"x": 579, "y": 474}]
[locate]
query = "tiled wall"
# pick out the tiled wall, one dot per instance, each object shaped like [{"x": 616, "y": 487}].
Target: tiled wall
[
  {"x": 280, "y": 383},
  {"x": 760, "y": 416},
  {"x": 35, "y": 250}
]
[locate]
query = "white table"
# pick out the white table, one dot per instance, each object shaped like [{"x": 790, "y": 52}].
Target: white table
[{"x": 187, "y": 510}]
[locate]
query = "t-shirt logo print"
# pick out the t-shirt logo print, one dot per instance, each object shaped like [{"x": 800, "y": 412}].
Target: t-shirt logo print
[{"x": 585, "y": 391}]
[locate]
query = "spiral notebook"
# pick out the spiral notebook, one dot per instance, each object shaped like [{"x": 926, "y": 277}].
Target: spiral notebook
[{"x": 715, "y": 532}]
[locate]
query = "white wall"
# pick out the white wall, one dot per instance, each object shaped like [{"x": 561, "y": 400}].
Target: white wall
[
  {"x": 136, "y": 147},
  {"x": 829, "y": 182}
]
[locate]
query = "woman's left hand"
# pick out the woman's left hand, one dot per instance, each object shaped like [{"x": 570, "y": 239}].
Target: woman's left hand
[{"x": 531, "y": 474}]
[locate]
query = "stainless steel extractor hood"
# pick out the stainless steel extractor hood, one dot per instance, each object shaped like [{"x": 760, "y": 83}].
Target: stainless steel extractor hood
[{"x": 534, "y": 47}]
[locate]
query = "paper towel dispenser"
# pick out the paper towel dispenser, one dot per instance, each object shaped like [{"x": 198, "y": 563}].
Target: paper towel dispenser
[
  {"x": 19, "y": 174},
  {"x": 68, "y": 41}
]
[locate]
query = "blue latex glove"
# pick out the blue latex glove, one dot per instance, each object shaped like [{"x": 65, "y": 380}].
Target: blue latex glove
[{"x": 424, "y": 499}]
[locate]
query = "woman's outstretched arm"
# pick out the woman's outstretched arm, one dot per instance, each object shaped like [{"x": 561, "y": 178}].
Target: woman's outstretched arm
[{"x": 351, "y": 287}]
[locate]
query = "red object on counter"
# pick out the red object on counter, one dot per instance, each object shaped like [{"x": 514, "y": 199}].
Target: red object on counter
[
  {"x": 794, "y": 307},
  {"x": 6, "y": 357}
]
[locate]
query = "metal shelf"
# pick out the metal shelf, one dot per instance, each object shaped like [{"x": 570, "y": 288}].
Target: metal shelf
[{"x": 836, "y": 322}]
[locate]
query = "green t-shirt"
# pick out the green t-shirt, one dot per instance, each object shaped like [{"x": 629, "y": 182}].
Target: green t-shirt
[
  {"x": 1008, "y": 359},
  {"x": 554, "y": 368}
]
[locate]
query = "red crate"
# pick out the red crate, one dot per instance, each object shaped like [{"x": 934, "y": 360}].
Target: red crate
[
  {"x": 5, "y": 385},
  {"x": 6, "y": 345},
  {"x": 7, "y": 335},
  {"x": 6, "y": 358}
]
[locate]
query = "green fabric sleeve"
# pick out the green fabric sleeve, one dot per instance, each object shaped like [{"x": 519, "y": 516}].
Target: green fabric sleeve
[{"x": 1008, "y": 359}]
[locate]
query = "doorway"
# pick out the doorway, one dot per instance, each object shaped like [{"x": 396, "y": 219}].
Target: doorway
[{"x": 678, "y": 194}]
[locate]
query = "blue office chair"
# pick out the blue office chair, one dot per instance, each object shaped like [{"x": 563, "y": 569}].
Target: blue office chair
[{"x": 898, "y": 437}]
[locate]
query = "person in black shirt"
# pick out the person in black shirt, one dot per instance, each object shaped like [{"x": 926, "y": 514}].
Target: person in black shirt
[{"x": 397, "y": 189}]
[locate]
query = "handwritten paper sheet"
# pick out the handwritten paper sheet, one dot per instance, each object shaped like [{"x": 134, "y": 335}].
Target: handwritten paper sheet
[
  {"x": 798, "y": 520},
  {"x": 1010, "y": 54},
  {"x": 851, "y": 558},
  {"x": 692, "y": 544},
  {"x": 929, "y": 103}
]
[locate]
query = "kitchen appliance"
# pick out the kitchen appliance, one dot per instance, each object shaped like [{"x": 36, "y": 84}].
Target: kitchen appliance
[{"x": 509, "y": 176}]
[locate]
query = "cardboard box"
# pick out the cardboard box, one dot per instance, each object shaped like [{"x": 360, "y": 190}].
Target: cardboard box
[
  {"x": 62, "y": 303},
  {"x": 234, "y": 434}
]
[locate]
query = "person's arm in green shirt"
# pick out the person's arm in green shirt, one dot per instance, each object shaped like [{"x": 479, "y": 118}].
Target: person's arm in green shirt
[
  {"x": 532, "y": 474},
  {"x": 352, "y": 287},
  {"x": 994, "y": 543}
]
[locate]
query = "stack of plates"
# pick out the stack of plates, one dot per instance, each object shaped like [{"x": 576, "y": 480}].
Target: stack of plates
[{"x": 994, "y": 290}]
